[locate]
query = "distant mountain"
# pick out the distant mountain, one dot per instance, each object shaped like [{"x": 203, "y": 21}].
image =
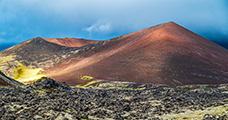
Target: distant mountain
[
  {"x": 165, "y": 54},
  {"x": 71, "y": 42},
  {"x": 26, "y": 60}
]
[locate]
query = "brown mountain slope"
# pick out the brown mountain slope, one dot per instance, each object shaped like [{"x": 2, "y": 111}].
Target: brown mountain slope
[
  {"x": 71, "y": 42},
  {"x": 25, "y": 61},
  {"x": 166, "y": 54}
]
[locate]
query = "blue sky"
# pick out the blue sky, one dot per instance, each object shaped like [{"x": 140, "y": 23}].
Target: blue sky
[{"x": 104, "y": 19}]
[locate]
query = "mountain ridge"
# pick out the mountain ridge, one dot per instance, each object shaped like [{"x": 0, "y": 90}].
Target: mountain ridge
[
  {"x": 165, "y": 54},
  {"x": 187, "y": 51},
  {"x": 35, "y": 54},
  {"x": 71, "y": 42}
]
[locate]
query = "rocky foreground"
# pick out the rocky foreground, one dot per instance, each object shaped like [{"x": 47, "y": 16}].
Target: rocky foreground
[{"x": 48, "y": 99}]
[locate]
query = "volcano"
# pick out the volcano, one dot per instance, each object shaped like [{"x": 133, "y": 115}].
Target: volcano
[{"x": 165, "y": 54}]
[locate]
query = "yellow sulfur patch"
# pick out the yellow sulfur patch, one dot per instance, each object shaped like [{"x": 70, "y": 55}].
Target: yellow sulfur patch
[
  {"x": 86, "y": 77},
  {"x": 25, "y": 74},
  {"x": 88, "y": 84}
]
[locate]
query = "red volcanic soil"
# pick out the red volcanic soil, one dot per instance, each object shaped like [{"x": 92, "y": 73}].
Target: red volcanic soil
[
  {"x": 71, "y": 42},
  {"x": 166, "y": 54}
]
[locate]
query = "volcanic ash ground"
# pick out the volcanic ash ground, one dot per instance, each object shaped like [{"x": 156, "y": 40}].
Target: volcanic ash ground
[{"x": 49, "y": 99}]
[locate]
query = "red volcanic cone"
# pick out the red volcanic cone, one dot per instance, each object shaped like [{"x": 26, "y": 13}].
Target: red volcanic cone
[{"x": 167, "y": 54}]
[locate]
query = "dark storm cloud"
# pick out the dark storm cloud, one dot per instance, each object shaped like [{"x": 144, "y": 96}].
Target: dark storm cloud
[{"x": 102, "y": 19}]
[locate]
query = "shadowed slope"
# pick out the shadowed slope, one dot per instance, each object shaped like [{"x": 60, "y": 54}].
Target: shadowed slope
[
  {"x": 166, "y": 54},
  {"x": 71, "y": 42},
  {"x": 27, "y": 60}
]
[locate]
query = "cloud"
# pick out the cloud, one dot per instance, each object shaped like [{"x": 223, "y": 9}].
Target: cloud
[
  {"x": 99, "y": 28},
  {"x": 102, "y": 19},
  {"x": 89, "y": 29},
  {"x": 105, "y": 27}
]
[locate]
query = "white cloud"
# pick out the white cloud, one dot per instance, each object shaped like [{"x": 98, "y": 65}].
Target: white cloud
[
  {"x": 105, "y": 27},
  {"x": 29, "y": 18},
  {"x": 89, "y": 29},
  {"x": 99, "y": 28}
]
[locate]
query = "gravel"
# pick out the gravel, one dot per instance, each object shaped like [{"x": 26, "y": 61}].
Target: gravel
[{"x": 49, "y": 99}]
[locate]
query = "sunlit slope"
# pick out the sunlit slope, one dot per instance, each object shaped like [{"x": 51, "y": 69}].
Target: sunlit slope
[
  {"x": 25, "y": 62},
  {"x": 165, "y": 54}
]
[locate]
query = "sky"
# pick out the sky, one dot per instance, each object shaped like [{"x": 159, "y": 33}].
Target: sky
[{"x": 21, "y": 20}]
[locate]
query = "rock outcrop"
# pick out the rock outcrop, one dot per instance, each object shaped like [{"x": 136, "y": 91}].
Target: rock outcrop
[
  {"x": 49, "y": 99},
  {"x": 7, "y": 81}
]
